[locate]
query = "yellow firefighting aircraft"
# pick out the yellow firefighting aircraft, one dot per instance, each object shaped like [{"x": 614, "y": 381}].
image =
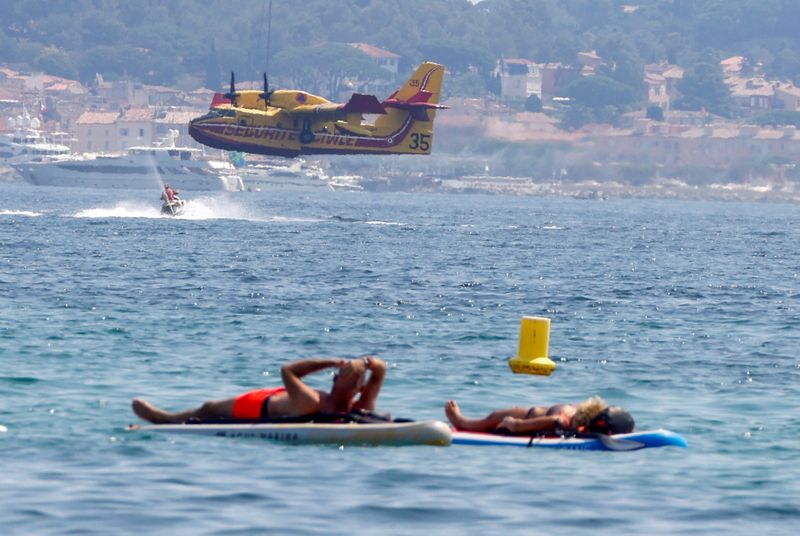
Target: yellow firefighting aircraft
[{"x": 290, "y": 123}]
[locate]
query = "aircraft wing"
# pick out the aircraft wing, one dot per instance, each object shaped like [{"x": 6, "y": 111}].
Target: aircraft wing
[{"x": 358, "y": 104}]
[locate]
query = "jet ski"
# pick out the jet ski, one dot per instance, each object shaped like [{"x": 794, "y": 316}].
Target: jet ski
[
  {"x": 173, "y": 208},
  {"x": 171, "y": 204}
]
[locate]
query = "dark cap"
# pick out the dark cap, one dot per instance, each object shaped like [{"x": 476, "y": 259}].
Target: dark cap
[{"x": 612, "y": 420}]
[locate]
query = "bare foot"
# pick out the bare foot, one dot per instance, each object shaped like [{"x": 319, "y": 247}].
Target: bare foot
[
  {"x": 453, "y": 413},
  {"x": 147, "y": 411}
]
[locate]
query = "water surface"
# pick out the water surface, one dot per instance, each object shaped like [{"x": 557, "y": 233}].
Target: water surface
[{"x": 684, "y": 312}]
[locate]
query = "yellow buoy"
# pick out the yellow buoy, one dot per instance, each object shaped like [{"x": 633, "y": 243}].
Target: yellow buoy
[{"x": 534, "y": 340}]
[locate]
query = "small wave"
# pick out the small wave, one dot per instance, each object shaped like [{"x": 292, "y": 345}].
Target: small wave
[
  {"x": 378, "y": 222},
  {"x": 19, "y": 379},
  {"x": 296, "y": 219},
  {"x": 344, "y": 219},
  {"x": 551, "y": 227},
  {"x": 121, "y": 210},
  {"x": 19, "y": 213}
]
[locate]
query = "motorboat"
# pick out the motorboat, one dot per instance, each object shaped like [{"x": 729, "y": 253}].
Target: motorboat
[
  {"x": 27, "y": 143},
  {"x": 267, "y": 174},
  {"x": 138, "y": 168}
]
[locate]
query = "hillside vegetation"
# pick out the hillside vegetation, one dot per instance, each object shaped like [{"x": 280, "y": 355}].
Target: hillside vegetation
[{"x": 189, "y": 43}]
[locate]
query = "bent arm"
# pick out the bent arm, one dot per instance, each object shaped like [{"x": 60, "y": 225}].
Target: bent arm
[
  {"x": 304, "y": 399},
  {"x": 369, "y": 395},
  {"x": 548, "y": 423}
]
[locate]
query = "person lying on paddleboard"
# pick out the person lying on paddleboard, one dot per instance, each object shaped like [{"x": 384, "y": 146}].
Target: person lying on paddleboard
[
  {"x": 591, "y": 416},
  {"x": 294, "y": 399}
]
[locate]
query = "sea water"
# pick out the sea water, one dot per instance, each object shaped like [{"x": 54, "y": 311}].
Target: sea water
[{"x": 686, "y": 313}]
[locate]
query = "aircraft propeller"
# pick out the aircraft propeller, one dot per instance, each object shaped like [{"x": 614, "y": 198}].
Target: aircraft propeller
[
  {"x": 232, "y": 95},
  {"x": 266, "y": 94}
]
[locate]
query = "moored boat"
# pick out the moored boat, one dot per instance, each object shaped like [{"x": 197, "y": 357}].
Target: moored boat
[
  {"x": 139, "y": 168},
  {"x": 297, "y": 175},
  {"x": 27, "y": 143}
]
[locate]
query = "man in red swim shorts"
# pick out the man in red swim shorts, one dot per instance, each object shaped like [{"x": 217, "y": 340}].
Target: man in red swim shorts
[{"x": 351, "y": 390}]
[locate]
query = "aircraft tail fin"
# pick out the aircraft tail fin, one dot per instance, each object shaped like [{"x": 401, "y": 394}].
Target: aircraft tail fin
[{"x": 420, "y": 92}]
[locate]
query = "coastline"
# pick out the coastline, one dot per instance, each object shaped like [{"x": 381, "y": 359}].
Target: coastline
[
  {"x": 672, "y": 189},
  {"x": 775, "y": 192}
]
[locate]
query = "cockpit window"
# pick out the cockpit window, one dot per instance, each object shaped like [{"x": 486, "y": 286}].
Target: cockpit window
[{"x": 216, "y": 112}]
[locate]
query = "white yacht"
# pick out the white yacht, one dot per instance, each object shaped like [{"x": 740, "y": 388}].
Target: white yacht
[
  {"x": 27, "y": 143},
  {"x": 347, "y": 183},
  {"x": 140, "y": 168},
  {"x": 271, "y": 175}
]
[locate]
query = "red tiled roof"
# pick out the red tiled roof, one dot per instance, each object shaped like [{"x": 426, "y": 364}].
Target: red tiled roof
[
  {"x": 177, "y": 117},
  {"x": 673, "y": 72},
  {"x": 162, "y": 89},
  {"x": 733, "y": 60},
  {"x": 591, "y": 54},
  {"x": 372, "y": 50},
  {"x": 137, "y": 115},
  {"x": 789, "y": 89},
  {"x": 97, "y": 118}
]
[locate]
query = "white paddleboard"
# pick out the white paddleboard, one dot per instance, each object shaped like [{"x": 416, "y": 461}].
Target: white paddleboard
[{"x": 396, "y": 434}]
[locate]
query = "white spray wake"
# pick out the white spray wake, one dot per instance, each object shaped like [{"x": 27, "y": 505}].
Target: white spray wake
[
  {"x": 19, "y": 213},
  {"x": 199, "y": 208}
]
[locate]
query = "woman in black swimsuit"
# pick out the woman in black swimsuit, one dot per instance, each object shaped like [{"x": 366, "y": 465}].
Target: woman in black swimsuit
[{"x": 591, "y": 416}]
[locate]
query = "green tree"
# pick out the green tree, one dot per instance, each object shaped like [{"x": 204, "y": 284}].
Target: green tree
[
  {"x": 778, "y": 118},
  {"x": 101, "y": 59},
  {"x": 56, "y": 62},
  {"x": 323, "y": 69},
  {"x": 457, "y": 33},
  {"x": 464, "y": 85},
  {"x": 213, "y": 79},
  {"x": 458, "y": 55},
  {"x": 100, "y": 29},
  {"x": 27, "y": 51},
  {"x": 595, "y": 92},
  {"x": 623, "y": 61},
  {"x": 575, "y": 116},
  {"x": 8, "y": 47},
  {"x": 655, "y": 112},
  {"x": 703, "y": 87},
  {"x": 533, "y": 104}
]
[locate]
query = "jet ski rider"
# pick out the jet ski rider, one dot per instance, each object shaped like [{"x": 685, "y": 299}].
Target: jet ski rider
[{"x": 169, "y": 195}]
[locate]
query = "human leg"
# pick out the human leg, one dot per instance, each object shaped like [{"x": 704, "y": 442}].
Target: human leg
[
  {"x": 209, "y": 410},
  {"x": 486, "y": 424}
]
